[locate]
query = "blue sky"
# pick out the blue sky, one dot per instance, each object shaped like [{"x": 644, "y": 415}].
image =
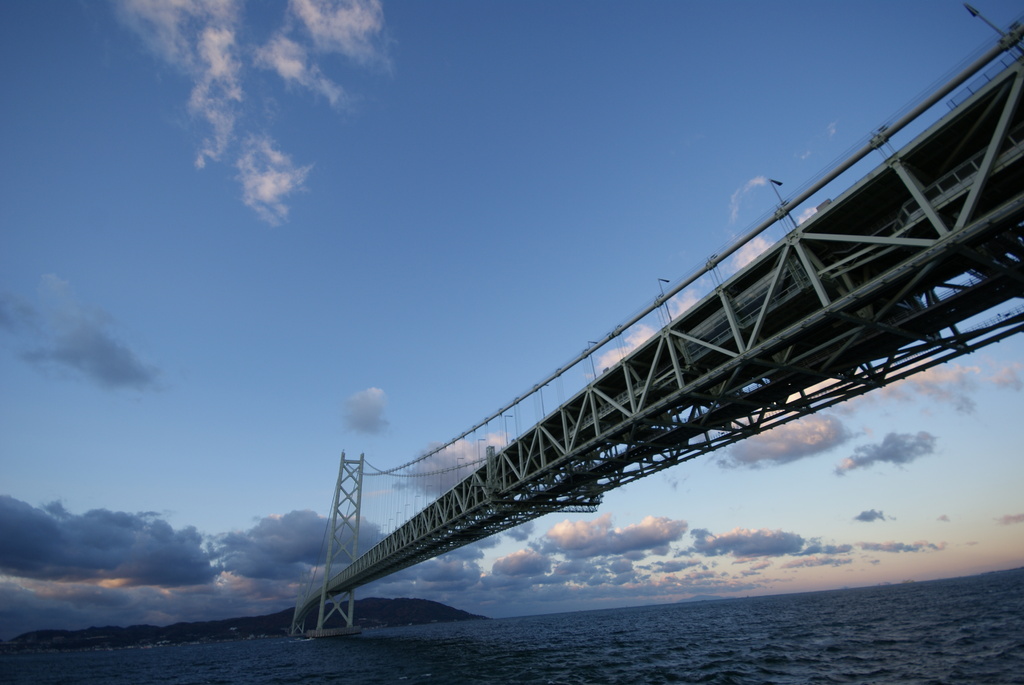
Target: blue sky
[{"x": 239, "y": 238}]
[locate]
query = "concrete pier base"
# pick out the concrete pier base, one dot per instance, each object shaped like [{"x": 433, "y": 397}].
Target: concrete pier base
[{"x": 334, "y": 632}]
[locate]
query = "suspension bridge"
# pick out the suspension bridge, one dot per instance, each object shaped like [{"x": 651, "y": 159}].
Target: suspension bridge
[{"x": 918, "y": 262}]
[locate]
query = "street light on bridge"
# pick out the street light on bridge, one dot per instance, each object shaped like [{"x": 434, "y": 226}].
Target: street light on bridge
[{"x": 782, "y": 203}]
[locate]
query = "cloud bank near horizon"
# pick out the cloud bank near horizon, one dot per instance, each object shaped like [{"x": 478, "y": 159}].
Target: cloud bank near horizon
[{"x": 59, "y": 569}]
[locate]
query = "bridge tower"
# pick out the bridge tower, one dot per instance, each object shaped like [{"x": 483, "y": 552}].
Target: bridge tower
[{"x": 342, "y": 550}]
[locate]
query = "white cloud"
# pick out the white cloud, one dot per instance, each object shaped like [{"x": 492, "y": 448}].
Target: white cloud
[
  {"x": 597, "y": 538},
  {"x": 805, "y": 437},
  {"x": 683, "y": 301},
  {"x": 198, "y": 37},
  {"x": 806, "y": 214},
  {"x": 345, "y": 26},
  {"x": 1008, "y": 376},
  {"x": 291, "y": 62},
  {"x": 750, "y": 251},
  {"x": 169, "y": 27},
  {"x": 216, "y": 90},
  {"x": 636, "y": 337},
  {"x": 894, "y": 547},
  {"x": 811, "y": 562},
  {"x": 948, "y": 383},
  {"x": 524, "y": 562},
  {"x": 734, "y": 201},
  {"x": 744, "y": 543},
  {"x": 364, "y": 411},
  {"x": 819, "y": 140},
  {"x": 268, "y": 176},
  {"x": 451, "y": 461},
  {"x": 204, "y": 39}
]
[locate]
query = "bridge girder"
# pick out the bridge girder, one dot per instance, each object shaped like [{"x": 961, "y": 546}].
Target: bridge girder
[{"x": 887, "y": 280}]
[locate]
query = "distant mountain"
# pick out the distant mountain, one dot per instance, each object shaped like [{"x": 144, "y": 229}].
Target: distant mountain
[{"x": 372, "y": 612}]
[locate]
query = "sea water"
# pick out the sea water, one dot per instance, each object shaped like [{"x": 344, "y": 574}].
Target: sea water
[{"x": 964, "y": 630}]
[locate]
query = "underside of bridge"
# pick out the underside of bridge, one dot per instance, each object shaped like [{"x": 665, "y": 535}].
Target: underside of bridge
[{"x": 919, "y": 262}]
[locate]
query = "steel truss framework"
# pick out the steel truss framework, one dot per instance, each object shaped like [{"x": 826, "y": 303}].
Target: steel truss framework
[
  {"x": 893, "y": 277},
  {"x": 342, "y": 549}
]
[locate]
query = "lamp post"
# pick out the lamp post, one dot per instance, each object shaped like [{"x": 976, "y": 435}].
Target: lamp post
[
  {"x": 661, "y": 287},
  {"x": 782, "y": 203},
  {"x": 975, "y": 13},
  {"x": 979, "y": 15},
  {"x": 593, "y": 369}
]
